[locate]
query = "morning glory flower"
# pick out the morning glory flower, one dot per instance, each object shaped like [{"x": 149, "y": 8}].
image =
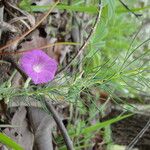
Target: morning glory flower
[{"x": 38, "y": 66}]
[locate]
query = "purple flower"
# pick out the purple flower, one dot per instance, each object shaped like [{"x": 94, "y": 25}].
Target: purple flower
[{"x": 38, "y": 66}]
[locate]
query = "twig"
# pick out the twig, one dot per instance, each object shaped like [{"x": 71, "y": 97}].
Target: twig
[
  {"x": 29, "y": 31},
  {"x": 42, "y": 47},
  {"x": 136, "y": 15},
  {"x": 139, "y": 135},
  {"x": 28, "y": 15},
  {"x": 87, "y": 40},
  {"x": 61, "y": 126}
]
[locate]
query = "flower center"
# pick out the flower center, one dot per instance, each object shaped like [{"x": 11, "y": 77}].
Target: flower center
[{"x": 37, "y": 68}]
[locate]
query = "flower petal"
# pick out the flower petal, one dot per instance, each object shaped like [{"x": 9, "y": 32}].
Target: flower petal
[{"x": 37, "y": 57}]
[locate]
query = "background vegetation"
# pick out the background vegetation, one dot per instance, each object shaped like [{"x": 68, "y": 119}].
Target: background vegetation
[{"x": 112, "y": 69}]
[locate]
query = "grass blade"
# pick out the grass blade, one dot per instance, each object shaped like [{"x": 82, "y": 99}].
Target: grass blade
[
  {"x": 104, "y": 124},
  {"x": 9, "y": 142}
]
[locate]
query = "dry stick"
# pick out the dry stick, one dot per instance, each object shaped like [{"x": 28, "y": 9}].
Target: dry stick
[
  {"x": 50, "y": 106},
  {"x": 61, "y": 126},
  {"x": 29, "y": 31},
  {"x": 42, "y": 47},
  {"x": 18, "y": 39},
  {"x": 139, "y": 135},
  {"x": 87, "y": 40}
]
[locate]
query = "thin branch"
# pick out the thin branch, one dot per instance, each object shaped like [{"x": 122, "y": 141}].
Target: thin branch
[
  {"x": 136, "y": 15},
  {"x": 29, "y": 31},
  {"x": 61, "y": 126},
  {"x": 87, "y": 40},
  {"x": 139, "y": 135},
  {"x": 42, "y": 47}
]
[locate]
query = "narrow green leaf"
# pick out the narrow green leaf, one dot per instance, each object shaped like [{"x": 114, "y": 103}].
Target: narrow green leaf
[
  {"x": 9, "y": 142},
  {"x": 124, "y": 10},
  {"x": 89, "y": 9},
  {"x": 111, "y": 8},
  {"x": 103, "y": 124}
]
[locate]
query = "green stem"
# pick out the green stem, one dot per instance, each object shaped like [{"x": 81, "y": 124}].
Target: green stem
[
  {"x": 11, "y": 77},
  {"x": 26, "y": 84}
]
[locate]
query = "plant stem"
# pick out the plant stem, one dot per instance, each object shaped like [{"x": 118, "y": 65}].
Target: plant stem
[
  {"x": 11, "y": 77},
  {"x": 87, "y": 40},
  {"x": 136, "y": 15},
  {"x": 139, "y": 135},
  {"x": 26, "y": 84},
  {"x": 61, "y": 126}
]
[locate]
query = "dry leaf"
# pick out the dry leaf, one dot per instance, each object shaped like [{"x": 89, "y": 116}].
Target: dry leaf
[
  {"x": 42, "y": 124},
  {"x": 20, "y": 134},
  {"x": 36, "y": 41}
]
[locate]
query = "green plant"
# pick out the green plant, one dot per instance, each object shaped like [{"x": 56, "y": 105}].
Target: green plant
[
  {"x": 9, "y": 142},
  {"x": 109, "y": 64}
]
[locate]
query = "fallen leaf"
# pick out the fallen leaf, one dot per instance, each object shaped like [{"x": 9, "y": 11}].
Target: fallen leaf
[
  {"x": 42, "y": 124},
  {"x": 21, "y": 134}
]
